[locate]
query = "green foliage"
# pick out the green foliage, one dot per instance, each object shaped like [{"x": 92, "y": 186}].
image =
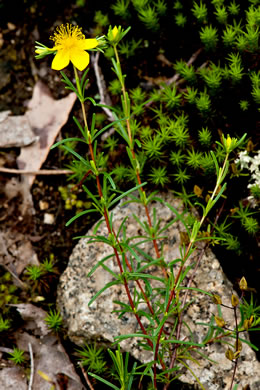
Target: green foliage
[
  {"x": 172, "y": 131},
  {"x": 34, "y": 272},
  {"x": 48, "y": 265},
  {"x": 241, "y": 42},
  {"x": 244, "y": 105},
  {"x": 4, "y": 324},
  {"x": 111, "y": 143},
  {"x": 177, "y": 158},
  {"x": 128, "y": 48},
  {"x": 251, "y": 225},
  {"x": 235, "y": 71},
  {"x": 200, "y": 11},
  {"x": 187, "y": 72},
  {"x": 229, "y": 36},
  {"x": 194, "y": 159},
  {"x": 231, "y": 242},
  {"x": 221, "y": 14},
  {"x": 207, "y": 164},
  {"x": 180, "y": 19},
  {"x": 137, "y": 95},
  {"x": 255, "y": 191},
  {"x": 158, "y": 176},
  {"x": 190, "y": 94},
  {"x": 205, "y": 137},
  {"x": 171, "y": 97},
  {"x": 234, "y": 8},
  {"x": 8, "y": 292},
  {"x": 177, "y": 5},
  {"x": 203, "y": 103},
  {"x": 138, "y": 4},
  {"x": 256, "y": 94},
  {"x": 93, "y": 358},
  {"x": 252, "y": 37},
  {"x": 17, "y": 356},
  {"x": 244, "y": 214},
  {"x": 209, "y": 37},
  {"x": 120, "y": 8},
  {"x": 70, "y": 194},
  {"x": 180, "y": 135},
  {"x": 181, "y": 177},
  {"x": 115, "y": 87},
  {"x": 161, "y": 7},
  {"x": 153, "y": 147},
  {"x": 101, "y": 19},
  {"x": 54, "y": 320},
  {"x": 212, "y": 77},
  {"x": 149, "y": 17}
]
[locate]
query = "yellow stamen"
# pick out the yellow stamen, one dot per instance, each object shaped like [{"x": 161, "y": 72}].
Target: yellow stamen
[{"x": 67, "y": 33}]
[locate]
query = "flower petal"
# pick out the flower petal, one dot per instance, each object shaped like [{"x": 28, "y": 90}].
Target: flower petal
[
  {"x": 61, "y": 60},
  {"x": 90, "y": 44},
  {"x": 79, "y": 58}
]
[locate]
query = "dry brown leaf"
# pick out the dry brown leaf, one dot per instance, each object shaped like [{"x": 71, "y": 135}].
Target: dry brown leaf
[
  {"x": 46, "y": 117},
  {"x": 12, "y": 378},
  {"x": 34, "y": 318},
  {"x": 49, "y": 355},
  {"x": 16, "y": 251}
]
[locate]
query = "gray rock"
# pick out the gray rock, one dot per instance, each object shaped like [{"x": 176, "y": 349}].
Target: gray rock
[
  {"x": 15, "y": 131},
  {"x": 98, "y": 322}
]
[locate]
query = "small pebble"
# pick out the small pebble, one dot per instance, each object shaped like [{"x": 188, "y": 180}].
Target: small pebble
[
  {"x": 43, "y": 205},
  {"x": 48, "y": 219}
]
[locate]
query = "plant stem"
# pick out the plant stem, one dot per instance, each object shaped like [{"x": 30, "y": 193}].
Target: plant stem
[
  {"x": 131, "y": 145},
  {"x": 111, "y": 231}
]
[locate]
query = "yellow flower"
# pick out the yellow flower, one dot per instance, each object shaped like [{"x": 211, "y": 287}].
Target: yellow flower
[
  {"x": 70, "y": 44},
  {"x": 228, "y": 142},
  {"x": 115, "y": 32}
]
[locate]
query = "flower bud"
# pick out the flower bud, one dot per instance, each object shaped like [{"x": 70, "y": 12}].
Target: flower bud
[
  {"x": 216, "y": 299},
  {"x": 229, "y": 354},
  {"x": 243, "y": 284},
  {"x": 234, "y": 300},
  {"x": 220, "y": 321},
  {"x": 114, "y": 35}
]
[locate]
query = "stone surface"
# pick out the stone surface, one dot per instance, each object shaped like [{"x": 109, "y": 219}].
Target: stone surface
[
  {"x": 15, "y": 131},
  {"x": 98, "y": 322}
]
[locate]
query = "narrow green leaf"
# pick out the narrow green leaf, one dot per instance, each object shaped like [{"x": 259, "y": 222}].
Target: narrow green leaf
[
  {"x": 109, "y": 284},
  {"x": 127, "y": 193},
  {"x": 107, "y": 127},
  {"x": 63, "y": 141},
  {"x": 79, "y": 215},
  {"x": 104, "y": 381},
  {"x": 79, "y": 126},
  {"x": 85, "y": 162},
  {"x": 110, "y": 179},
  {"x": 83, "y": 77},
  {"x": 99, "y": 263}
]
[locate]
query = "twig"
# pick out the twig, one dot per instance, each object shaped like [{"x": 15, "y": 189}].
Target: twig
[
  {"x": 179, "y": 326},
  {"x": 191, "y": 60},
  {"x": 177, "y": 75},
  {"x": 236, "y": 360},
  {"x": 86, "y": 377},
  {"x": 32, "y": 366},
  {"x": 40, "y": 172},
  {"x": 104, "y": 97}
]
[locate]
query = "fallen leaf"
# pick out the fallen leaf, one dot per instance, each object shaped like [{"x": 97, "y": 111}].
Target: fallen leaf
[
  {"x": 50, "y": 358},
  {"x": 34, "y": 318},
  {"x": 46, "y": 117},
  {"x": 16, "y": 251},
  {"x": 12, "y": 378}
]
